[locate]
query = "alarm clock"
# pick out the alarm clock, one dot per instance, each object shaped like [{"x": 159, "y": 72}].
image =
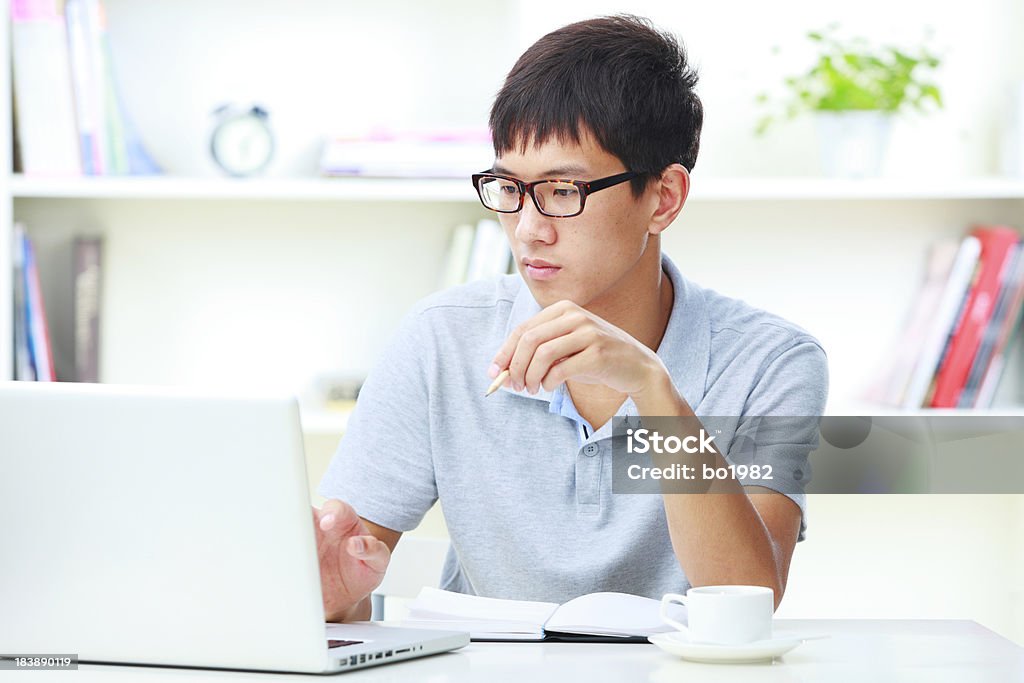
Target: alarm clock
[{"x": 242, "y": 142}]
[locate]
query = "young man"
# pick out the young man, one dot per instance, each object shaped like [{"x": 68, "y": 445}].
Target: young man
[{"x": 597, "y": 324}]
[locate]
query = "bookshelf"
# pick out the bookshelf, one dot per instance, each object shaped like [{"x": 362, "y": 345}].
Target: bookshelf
[{"x": 256, "y": 189}]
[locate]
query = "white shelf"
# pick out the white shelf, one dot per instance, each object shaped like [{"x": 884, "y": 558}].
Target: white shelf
[
  {"x": 288, "y": 189},
  {"x": 459, "y": 190},
  {"x": 856, "y": 408},
  {"x": 801, "y": 189}
]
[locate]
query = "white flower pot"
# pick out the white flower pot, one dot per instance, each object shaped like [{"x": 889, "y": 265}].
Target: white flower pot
[{"x": 852, "y": 143}]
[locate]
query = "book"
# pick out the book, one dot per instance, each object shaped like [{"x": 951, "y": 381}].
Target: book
[
  {"x": 460, "y": 248},
  {"x": 1005, "y": 307},
  {"x": 86, "y": 308},
  {"x": 85, "y": 72},
  {"x": 490, "y": 254},
  {"x": 23, "y": 368},
  {"x": 611, "y": 616},
  {"x": 39, "y": 343},
  {"x": 941, "y": 322},
  {"x": 44, "y": 110},
  {"x": 408, "y": 154},
  {"x": 892, "y": 383},
  {"x": 109, "y": 143},
  {"x": 950, "y": 380},
  {"x": 1007, "y": 333}
]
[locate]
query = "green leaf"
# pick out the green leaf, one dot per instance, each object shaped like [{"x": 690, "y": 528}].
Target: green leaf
[{"x": 850, "y": 75}]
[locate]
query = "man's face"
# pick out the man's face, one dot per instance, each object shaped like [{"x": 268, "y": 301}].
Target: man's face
[{"x": 584, "y": 257}]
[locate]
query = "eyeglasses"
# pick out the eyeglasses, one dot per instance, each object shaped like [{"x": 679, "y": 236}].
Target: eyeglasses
[{"x": 555, "y": 198}]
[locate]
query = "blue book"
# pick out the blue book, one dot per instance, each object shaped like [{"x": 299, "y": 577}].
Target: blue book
[
  {"x": 39, "y": 346},
  {"x": 23, "y": 367}
]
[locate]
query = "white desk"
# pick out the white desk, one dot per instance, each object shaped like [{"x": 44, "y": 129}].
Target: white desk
[{"x": 865, "y": 651}]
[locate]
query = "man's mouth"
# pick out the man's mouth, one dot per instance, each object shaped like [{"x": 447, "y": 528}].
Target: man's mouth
[{"x": 539, "y": 269}]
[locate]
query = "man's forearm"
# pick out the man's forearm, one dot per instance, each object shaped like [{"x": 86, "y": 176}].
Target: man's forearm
[{"x": 719, "y": 537}]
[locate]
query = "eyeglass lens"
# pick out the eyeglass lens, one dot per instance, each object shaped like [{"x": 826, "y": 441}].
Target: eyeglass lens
[{"x": 553, "y": 198}]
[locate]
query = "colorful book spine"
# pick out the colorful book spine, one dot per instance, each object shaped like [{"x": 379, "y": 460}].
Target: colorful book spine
[
  {"x": 997, "y": 243},
  {"x": 23, "y": 368},
  {"x": 1007, "y": 333},
  {"x": 946, "y": 314},
  {"x": 88, "y": 107},
  {"x": 1004, "y": 308},
  {"x": 39, "y": 342},
  {"x": 110, "y": 144},
  {"x": 43, "y": 99},
  {"x": 891, "y": 384},
  {"x": 114, "y": 130}
]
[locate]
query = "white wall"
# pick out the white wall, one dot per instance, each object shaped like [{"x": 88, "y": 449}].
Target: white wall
[
  {"x": 732, "y": 45},
  {"x": 319, "y": 67},
  {"x": 911, "y": 556},
  {"x": 324, "y": 66}
]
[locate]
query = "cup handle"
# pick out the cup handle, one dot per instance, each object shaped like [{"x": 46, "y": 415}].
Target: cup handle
[{"x": 667, "y": 600}]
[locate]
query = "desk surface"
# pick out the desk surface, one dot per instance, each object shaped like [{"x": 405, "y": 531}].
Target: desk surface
[{"x": 858, "y": 650}]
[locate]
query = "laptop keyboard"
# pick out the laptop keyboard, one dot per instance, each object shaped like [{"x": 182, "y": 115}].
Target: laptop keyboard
[{"x": 342, "y": 643}]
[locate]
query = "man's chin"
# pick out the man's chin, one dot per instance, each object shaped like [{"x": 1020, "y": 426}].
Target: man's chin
[{"x": 546, "y": 294}]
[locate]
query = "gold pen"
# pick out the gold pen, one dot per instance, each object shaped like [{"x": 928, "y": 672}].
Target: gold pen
[{"x": 496, "y": 384}]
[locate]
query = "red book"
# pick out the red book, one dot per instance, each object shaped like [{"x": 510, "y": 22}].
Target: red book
[{"x": 996, "y": 247}]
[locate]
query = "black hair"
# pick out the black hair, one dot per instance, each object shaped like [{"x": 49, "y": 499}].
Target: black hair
[{"x": 626, "y": 82}]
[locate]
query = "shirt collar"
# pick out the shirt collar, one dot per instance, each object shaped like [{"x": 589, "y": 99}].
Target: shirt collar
[{"x": 685, "y": 348}]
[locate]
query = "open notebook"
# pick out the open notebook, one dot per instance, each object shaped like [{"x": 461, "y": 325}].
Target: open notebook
[{"x": 611, "y": 616}]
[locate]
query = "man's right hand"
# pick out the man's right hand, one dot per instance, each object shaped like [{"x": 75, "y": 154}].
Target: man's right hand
[{"x": 352, "y": 560}]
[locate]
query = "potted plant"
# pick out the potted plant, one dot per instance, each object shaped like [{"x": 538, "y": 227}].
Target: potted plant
[{"x": 854, "y": 90}]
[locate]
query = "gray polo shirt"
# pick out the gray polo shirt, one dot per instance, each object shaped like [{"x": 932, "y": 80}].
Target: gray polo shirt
[{"x": 524, "y": 483}]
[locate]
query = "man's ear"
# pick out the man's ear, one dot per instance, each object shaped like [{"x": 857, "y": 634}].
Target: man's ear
[{"x": 672, "y": 187}]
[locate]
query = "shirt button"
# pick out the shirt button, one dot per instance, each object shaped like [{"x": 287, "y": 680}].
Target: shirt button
[{"x": 591, "y": 449}]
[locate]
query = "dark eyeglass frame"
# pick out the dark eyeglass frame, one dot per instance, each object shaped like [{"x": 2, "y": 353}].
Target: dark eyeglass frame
[{"x": 586, "y": 187}]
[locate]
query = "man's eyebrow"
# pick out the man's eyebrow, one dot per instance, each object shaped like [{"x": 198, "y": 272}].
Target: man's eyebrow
[{"x": 557, "y": 171}]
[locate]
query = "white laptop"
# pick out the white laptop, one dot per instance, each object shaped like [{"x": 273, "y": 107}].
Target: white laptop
[{"x": 170, "y": 527}]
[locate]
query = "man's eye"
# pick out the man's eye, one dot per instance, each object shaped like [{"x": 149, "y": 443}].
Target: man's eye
[
  {"x": 509, "y": 189},
  {"x": 565, "y": 192}
]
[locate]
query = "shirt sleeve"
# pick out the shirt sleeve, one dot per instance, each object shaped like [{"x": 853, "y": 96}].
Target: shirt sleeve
[
  {"x": 383, "y": 466},
  {"x": 780, "y": 421}
]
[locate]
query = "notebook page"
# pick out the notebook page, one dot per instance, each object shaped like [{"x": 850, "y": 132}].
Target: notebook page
[
  {"x": 434, "y": 604},
  {"x": 618, "y": 614}
]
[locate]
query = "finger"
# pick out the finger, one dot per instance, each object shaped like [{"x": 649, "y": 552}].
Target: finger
[
  {"x": 316, "y": 524},
  {"x": 504, "y": 355},
  {"x": 534, "y": 338},
  {"x": 551, "y": 352},
  {"x": 370, "y": 550},
  {"x": 573, "y": 366},
  {"x": 337, "y": 514}
]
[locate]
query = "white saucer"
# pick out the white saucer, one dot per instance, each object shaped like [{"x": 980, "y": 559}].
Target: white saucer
[{"x": 679, "y": 644}]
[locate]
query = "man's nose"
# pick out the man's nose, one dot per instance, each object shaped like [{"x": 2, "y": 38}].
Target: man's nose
[{"x": 532, "y": 225}]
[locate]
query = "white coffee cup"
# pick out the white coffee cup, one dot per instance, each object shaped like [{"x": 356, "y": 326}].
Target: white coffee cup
[{"x": 724, "y": 615}]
